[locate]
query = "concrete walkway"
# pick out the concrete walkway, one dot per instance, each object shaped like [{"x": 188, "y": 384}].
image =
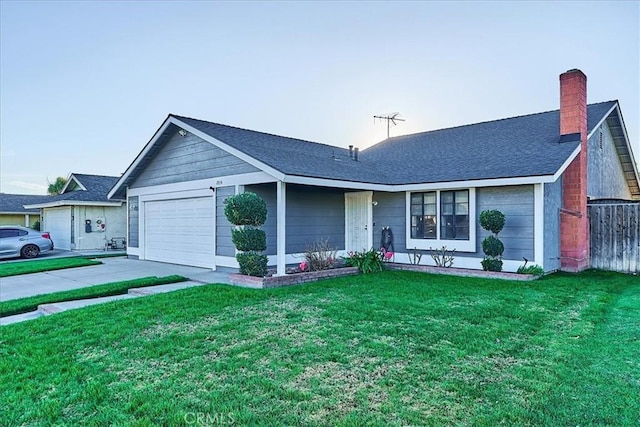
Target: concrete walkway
[{"x": 112, "y": 270}]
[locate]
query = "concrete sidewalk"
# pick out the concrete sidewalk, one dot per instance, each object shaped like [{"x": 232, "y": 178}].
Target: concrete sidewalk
[
  {"x": 58, "y": 307},
  {"x": 111, "y": 270}
]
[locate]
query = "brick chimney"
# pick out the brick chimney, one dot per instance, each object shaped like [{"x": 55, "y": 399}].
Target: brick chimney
[{"x": 574, "y": 223}]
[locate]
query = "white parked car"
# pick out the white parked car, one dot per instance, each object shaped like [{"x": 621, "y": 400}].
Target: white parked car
[{"x": 16, "y": 241}]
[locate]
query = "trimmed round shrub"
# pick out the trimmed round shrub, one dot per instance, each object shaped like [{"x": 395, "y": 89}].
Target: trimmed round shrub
[
  {"x": 252, "y": 264},
  {"x": 249, "y": 239},
  {"x": 492, "y": 246},
  {"x": 246, "y": 209},
  {"x": 492, "y": 221},
  {"x": 491, "y": 264}
]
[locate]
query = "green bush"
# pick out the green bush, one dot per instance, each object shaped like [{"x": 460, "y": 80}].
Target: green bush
[
  {"x": 368, "y": 262},
  {"x": 534, "y": 269},
  {"x": 36, "y": 225},
  {"x": 491, "y": 264},
  {"x": 246, "y": 209},
  {"x": 249, "y": 239},
  {"x": 252, "y": 264},
  {"x": 492, "y": 246},
  {"x": 493, "y": 221}
]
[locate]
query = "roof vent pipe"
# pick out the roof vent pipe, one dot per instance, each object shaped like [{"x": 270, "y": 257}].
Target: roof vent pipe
[
  {"x": 351, "y": 151},
  {"x": 355, "y": 153}
]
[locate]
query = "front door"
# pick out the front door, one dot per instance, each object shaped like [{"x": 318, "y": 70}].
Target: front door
[{"x": 358, "y": 221}]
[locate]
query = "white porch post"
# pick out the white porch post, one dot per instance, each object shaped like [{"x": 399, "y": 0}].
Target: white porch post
[
  {"x": 281, "y": 226},
  {"x": 538, "y": 224},
  {"x": 26, "y": 220}
]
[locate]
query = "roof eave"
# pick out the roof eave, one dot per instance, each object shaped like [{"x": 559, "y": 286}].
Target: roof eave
[{"x": 60, "y": 203}]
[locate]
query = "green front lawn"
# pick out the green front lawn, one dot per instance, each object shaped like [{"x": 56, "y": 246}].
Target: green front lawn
[
  {"x": 393, "y": 348},
  {"x": 38, "y": 266}
]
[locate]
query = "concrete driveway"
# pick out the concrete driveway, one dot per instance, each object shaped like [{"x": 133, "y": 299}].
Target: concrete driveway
[{"x": 111, "y": 270}]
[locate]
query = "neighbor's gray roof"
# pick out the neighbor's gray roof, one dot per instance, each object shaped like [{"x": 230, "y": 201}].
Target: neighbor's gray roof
[
  {"x": 14, "y": 203},
  {"x": 97, "y": 188},
  {"x": 514, "y": 147}
]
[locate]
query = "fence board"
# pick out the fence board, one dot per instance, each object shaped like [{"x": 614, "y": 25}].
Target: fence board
[{"x": 615, "y": 237}]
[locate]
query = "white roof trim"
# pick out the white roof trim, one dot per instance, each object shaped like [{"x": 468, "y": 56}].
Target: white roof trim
[
  {"x": 140, "y": 156},
  {"x": 72, "y": 203},
  {"x": 276, "y": 174},
  {"x": 566, "y": 163},
  {"x": 233, "y": 151},
  {"x": 605, "y": 117},
  {"x": 498, "y": 182},
  {"x": 72, "y": 177}
]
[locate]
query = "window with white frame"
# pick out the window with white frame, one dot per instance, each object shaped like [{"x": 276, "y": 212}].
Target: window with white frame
[{"x": 441, "y": 217}]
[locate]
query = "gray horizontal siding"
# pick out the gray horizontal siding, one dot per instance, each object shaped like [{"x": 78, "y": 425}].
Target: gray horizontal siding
[
  {"x": 224, "y": 246},
  {"x": 389, "y": 211},
  {"x": 189, "y": 158},
  {"x": 314, "y": 214},
  {"x": 134, "y": 221},
  {"x": 517, "y": 204},
  {"x": 268, "y": 194}
]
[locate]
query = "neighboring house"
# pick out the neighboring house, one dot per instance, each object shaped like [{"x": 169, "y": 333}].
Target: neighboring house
[
  {"x": 13, "y": 212},
  {"x": 429, "y": 187},
  {"x": 81, "y": 217}
]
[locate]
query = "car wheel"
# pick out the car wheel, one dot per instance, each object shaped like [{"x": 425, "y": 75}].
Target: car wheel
[{"x": 30, "y": 251}]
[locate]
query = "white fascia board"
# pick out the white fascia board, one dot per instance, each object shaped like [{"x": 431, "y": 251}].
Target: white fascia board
[
  {"x": 233, "y": 151},
  {"x": 605, "y": 117},
  {"x": 333, "y": 183},
  {"x": 60, "y": 203},
  {"x": 499, "y": 182},
  {"x": 72, "y": 178},
  {"x": 223, "y": 181},
  {"x": 566, "y": 164},
  {"x": 139, "y": 158}
]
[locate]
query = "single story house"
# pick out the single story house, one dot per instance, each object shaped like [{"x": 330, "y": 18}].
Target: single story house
[
  {"x": 427, "y": 188},
  {"x": 81, "y": 217},
  {"x": 13, "y": 211}
]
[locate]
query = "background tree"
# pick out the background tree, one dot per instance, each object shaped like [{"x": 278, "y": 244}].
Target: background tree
[{"x": 56, "y": 186}]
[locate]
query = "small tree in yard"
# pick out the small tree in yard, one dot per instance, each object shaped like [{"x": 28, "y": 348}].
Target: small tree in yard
[
  {"x": 248, "y": 212},
  {"x": 492, "y": 247}
]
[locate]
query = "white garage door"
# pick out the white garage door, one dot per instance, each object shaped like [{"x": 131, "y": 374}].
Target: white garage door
[
  {"x": 57, "y": 221},
  {"x": 180, "y": 231}
]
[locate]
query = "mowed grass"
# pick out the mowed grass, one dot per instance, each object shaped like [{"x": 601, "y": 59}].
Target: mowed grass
[
  {"x": 38, "y": 266},
  {"x": 393, "y": 348}
]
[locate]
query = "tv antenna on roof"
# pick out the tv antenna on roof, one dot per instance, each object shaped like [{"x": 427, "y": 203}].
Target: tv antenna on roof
[{"x": 390, "y": 118}]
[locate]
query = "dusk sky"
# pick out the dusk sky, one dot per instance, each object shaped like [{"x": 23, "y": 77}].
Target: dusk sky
[{"x": 84, "y": 85}]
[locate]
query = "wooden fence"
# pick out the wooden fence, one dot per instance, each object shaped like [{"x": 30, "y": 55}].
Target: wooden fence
[{"x": 615, "y": 236}]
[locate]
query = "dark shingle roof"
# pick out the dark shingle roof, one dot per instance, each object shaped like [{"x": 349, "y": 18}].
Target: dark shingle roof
[
  {"x": 97, "y": 188},
  {"x": 14, "y": 203},
  {"x": 514, "y": 147}
]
